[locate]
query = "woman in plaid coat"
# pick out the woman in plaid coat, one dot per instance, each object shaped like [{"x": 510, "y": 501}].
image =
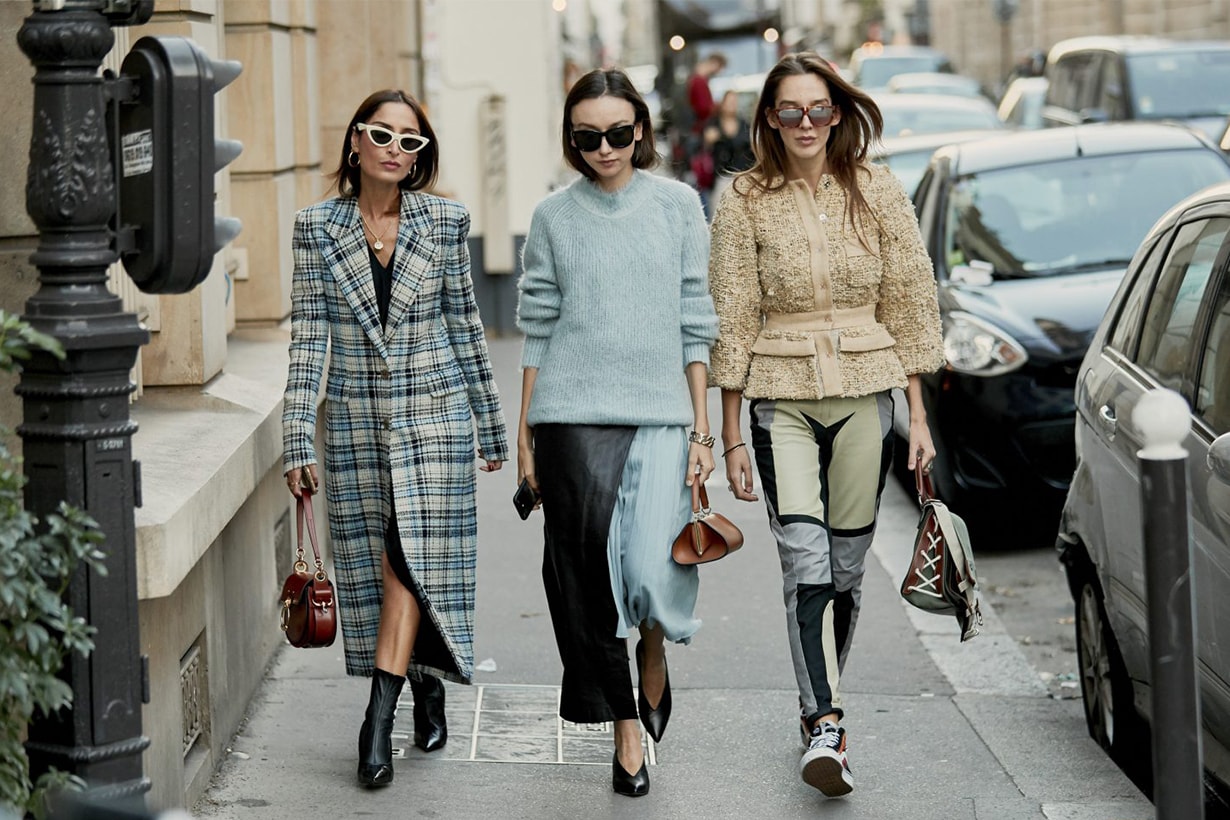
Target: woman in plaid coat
[{"x": 382, "y": 281}]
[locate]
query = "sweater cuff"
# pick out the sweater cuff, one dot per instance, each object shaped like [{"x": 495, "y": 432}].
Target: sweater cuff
[
  {"x": 533, "y": 351},
  {"x": 696, "y": 352}
]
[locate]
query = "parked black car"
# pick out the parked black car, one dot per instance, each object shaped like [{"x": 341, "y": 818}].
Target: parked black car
[
  {"x": 1030, "y": 233},
  {"x": 1168, "y": 326},
  {"x": 1107, "y": 79}
]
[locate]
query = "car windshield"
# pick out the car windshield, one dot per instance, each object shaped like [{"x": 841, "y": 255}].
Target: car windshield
[
  {"x": 900, "y": 121},
  {"x": 877, "y": 71},
  {"x": 1180, "y": 84},
  {"x": 1074, "y": 215}
]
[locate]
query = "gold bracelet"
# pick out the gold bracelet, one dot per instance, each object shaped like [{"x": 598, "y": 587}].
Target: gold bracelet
[
  {"x": 734, "y": 447},
  {"x": 701, "y": 438}
]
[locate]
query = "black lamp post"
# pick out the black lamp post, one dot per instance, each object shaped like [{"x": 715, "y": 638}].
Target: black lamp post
[{"x": 76, "y": 432}]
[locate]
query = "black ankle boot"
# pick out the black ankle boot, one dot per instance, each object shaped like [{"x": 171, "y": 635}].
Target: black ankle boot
[
  {"x": 375, "y": 737},
  {"x": 430, "y": 729}
]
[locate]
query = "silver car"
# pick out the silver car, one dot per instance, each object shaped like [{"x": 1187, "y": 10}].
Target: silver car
[{"x": 1167, "y": 326}]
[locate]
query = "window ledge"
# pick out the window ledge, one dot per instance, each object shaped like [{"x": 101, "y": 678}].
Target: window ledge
[{"x": 203, "y": 452}]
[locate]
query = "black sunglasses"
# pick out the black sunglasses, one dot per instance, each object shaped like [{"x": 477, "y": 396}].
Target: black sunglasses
[
  {"x": 820, "y": 115},
  {"x": 620, "y": 136}
]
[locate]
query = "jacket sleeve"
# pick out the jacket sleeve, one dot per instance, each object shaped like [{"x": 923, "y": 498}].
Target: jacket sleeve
[
  {"x": 908, "y": 306},
  {"x": 699, "y": 323},
  {"x": 735, "y": 284},
  {"x": 539, "y": 298},
  {"x": 309, "y": 340},
  {"x": 469, "y": 343}
]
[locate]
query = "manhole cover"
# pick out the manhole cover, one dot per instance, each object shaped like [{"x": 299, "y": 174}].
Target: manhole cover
[{"x": 506, "y": 723}]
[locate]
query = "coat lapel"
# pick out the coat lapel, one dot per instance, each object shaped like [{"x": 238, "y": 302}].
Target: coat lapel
[
  {"x": 352, "y": 269},
  {"x": 416, "y": 258}
]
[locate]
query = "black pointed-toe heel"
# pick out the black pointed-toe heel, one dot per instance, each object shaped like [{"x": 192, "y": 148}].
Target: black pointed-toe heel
[
  {"x": 430, "y": 728},
  {"x": 376, "y": 734},
  {"x": 654, "y": 720},
  {"x": 629, "y": 785}
]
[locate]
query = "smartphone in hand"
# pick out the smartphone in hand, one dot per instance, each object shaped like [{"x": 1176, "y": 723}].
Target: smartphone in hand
[{"x": 525, "y": 499}]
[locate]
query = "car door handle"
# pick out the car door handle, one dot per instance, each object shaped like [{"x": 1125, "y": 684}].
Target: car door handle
[{"x": 1106, "y": 417}]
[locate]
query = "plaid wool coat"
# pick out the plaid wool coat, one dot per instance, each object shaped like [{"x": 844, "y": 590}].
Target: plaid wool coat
[{"x": 402, "y": 406}]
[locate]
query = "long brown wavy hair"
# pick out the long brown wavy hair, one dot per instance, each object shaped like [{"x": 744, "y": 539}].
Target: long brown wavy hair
[{"x": 861, "y": 125}]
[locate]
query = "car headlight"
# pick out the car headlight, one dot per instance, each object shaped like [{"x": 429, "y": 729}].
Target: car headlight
[{"x": 979, "y": 348}]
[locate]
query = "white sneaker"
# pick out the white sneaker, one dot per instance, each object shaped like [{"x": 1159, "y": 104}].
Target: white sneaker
[{"x": 824, "y": 765}]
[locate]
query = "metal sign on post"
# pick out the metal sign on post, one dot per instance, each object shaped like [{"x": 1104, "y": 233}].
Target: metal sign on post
[{"x": 1163, "y": 419}]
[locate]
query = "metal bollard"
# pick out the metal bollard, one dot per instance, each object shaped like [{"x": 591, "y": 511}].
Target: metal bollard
[{"x": 1163, "y": 419}]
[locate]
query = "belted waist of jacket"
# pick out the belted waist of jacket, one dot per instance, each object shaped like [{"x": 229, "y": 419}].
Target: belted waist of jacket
[{"x": 782, "y": 335}]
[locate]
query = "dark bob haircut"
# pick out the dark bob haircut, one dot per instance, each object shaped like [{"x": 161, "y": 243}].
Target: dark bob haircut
[
  {"x": 347, "y": 178},
  {"x": 608, "y": 82}
]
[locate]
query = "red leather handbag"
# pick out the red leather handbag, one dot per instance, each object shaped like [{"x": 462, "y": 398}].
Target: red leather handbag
[
  {"x": 309, "y": 604},
  {"x": 707, "y": 536}
]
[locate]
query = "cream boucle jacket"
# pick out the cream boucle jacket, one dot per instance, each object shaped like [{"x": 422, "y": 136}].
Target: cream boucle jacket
[{"x": 806, "y": 311}]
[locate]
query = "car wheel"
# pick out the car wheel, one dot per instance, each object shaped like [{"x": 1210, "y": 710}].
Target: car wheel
[{"x": 1105, "y": 687}]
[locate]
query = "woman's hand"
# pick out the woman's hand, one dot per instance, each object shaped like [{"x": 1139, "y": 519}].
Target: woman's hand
[
  {"x": 739, "y": 474},
  {"x": 922, "y": 449},
  {"x": 490, "y": 466},
  {"x": 295, "y": 480},
  {"x": 700, "y": 463},
  {"x": 525, "y": 460}
]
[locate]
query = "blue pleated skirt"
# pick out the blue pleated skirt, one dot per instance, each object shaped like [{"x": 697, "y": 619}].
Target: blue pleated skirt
[{"x": 652, "y": 506}]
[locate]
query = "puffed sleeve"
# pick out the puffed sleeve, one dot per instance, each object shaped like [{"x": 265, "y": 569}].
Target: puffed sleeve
[
  {"x": 735, "y": 285},
  {"x": 908, "y": 306}
]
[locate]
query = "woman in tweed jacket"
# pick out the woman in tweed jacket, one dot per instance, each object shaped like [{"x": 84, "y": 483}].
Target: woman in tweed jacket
[
  {"x": 827, "y": 301},
  {"x": 382, "y": 281}
]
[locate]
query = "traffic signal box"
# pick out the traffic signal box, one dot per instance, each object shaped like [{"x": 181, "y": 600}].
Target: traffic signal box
[{"x": 166, "y": 158}]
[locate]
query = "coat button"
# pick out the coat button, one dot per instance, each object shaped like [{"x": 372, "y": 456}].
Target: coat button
[
  {"x": 388, "y": 425},
  {"x": 384, "y": 372}
]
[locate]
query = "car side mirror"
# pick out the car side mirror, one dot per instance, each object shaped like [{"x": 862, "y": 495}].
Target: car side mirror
[
  {"x": 1219, "y": 457},
  {"x": 977, "y": 273}
]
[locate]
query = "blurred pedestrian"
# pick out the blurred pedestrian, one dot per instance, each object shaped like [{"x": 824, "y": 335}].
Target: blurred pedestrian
[
  {"x": 702, "y": 111},
  {"x": 731, "y": 138},
  {"x": 382, "y": 281},
  {"x": 618, "y": 319},
  {"x": 827, "y": 300}
]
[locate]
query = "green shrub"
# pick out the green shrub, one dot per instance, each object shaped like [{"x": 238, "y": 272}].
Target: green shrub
[{"x": 37, "y": 628}]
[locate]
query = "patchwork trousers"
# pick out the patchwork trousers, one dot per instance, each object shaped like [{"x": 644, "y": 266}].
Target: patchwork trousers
[{"x": 822, "y": 466}]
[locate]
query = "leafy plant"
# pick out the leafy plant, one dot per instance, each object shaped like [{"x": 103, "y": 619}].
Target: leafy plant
[{"x": 37, "y": 628}]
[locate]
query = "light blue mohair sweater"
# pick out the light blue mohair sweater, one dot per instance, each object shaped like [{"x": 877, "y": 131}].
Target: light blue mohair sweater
[{"x": 615, "y": 303}]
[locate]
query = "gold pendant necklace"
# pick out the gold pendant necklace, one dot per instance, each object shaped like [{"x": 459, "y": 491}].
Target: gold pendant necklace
[{"x": 379, "y": 243}]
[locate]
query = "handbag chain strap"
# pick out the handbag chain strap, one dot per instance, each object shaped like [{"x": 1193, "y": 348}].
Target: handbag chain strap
[
  {"x": 305, "y": 512},
  {"x": 700, "y": 501}
]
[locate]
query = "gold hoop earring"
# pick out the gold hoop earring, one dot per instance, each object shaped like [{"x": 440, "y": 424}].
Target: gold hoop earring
[{"x": 352, "y": 159}]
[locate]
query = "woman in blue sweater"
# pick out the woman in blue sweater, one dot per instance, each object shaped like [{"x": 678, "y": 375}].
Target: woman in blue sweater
[{"x": 614, "y": 427}]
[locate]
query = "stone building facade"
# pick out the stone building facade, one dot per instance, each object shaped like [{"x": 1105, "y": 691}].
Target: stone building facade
[
  {"x": 214, "y": 535},
  {"x": 969, "y": 33}
]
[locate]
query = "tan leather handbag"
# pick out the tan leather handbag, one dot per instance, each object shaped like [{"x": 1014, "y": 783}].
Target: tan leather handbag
[{"x": 708, "y": 536}]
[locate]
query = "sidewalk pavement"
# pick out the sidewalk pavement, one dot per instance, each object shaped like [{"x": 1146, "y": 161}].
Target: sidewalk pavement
[{"x": 938, "y": 730}]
